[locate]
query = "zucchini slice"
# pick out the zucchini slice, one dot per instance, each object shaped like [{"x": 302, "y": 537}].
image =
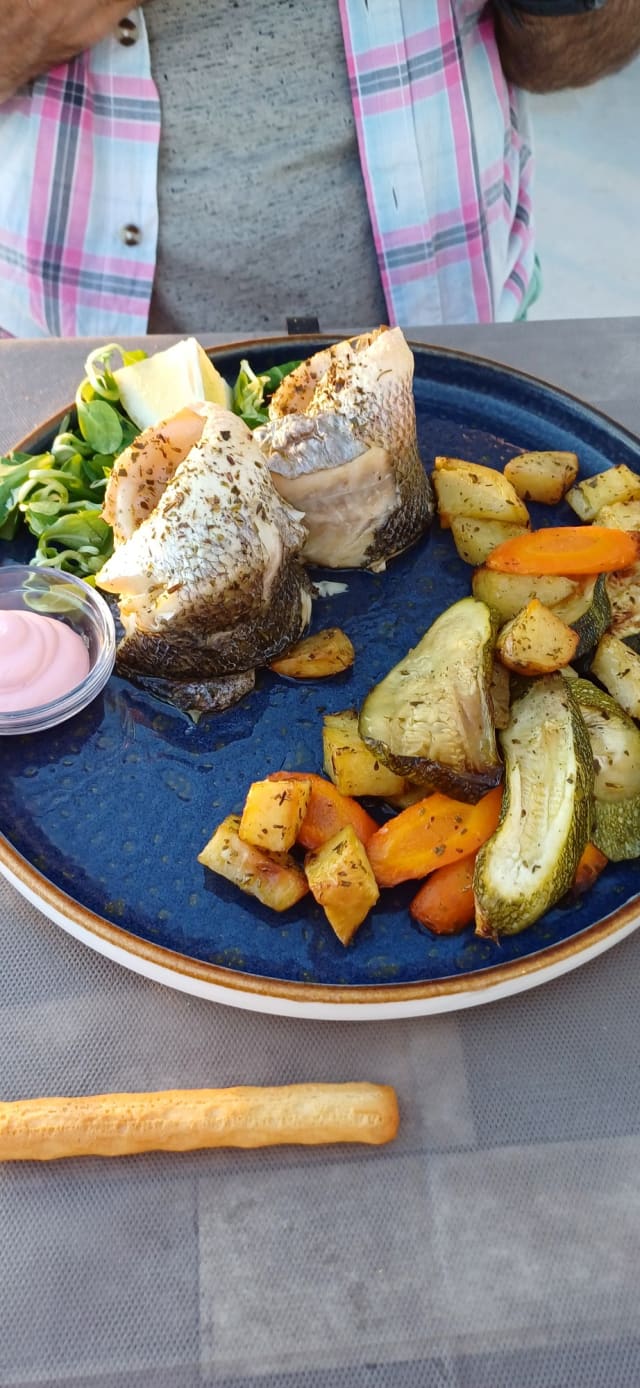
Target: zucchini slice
[
  {"x": 531, "y": 860},
  {"x": 596, "y": 618},
  {"x": 431, "y": 718},
  {"x": 615, "y": 745}
]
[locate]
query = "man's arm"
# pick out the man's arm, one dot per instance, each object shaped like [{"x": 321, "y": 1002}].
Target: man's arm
[
  {"x": 545, "y": 54},
  {"x": 39, "y": 34}
]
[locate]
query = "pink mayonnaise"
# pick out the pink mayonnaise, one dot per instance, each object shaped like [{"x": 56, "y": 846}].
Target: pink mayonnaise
[{"x": 40, "y": 660}]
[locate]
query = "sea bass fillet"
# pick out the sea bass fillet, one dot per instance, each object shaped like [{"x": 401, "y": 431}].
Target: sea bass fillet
[
  {"x": 207, "y": 567},
  {"x": 341, "y": 445}
]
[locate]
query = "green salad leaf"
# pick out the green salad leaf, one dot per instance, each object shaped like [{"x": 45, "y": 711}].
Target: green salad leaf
[
  {"x": 58, "y": 495},
  {"x": 251, "y": 393}
]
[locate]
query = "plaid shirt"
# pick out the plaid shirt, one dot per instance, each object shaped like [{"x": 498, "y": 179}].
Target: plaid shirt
[{"x": 443, "y": 143}]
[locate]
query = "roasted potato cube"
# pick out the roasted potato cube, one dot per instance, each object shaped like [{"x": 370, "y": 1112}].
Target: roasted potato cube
[
  {"x": 482, "y": 493},
  {"x": 475, "y": 539},
  {"x": 507, "y": 594},
  {"x": 536, "y": 642},
  {"x": 273, "y": 812},
  {"x": 274, "y": 878},
  {"x": 618, "y": 669},
  {"x": 326, "y": 653},
  {"x": 616, "y": 484},
  {"x": 350, "y": 764},
  {"x": 341, "y": 880},
  {"x": 621, "y": 515},
  {"x": 542, "y": 476}
]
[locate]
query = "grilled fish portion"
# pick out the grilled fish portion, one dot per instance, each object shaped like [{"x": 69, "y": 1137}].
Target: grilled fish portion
[
  {"x": 210, "y": 583},
  {"x": 341, "y": 445}
]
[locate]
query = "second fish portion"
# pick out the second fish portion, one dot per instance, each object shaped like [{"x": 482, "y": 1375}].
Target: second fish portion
[
  {"x": 209, "y": 581},
  {"x": 342, "y": 447}
]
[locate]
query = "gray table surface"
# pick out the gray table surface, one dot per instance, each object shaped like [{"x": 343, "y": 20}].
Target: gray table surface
[{"x": 495, "y": 1245}]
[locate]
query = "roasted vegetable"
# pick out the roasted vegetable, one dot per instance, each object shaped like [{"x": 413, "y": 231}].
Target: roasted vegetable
[
  {"x": 328, "y": 811},
  {"x": 567, "y": 550},
  {"x": 482, "y": 493},
  {"x": 475, "y": 539},
  {"x": 623, "y": 591},
  {"x": 500, "y": 694},
  {"x": 273, "y": 813},
  {"x": 430, "y": 719},
  {"x": 536, "y": 642},
  {"x": 615, "y": 745},
  {"x": 429, "y": 835},
  {"x": 445, "y": 904},
  {"x": 341, "y": 880},
  {"x": 591, "y": 864},
  {"x": 350, "y": 764},
  {"x": 621, "y": 515},
  {"x": 604, "y": 489},
  {"x": 274, "y": 878},
  {"x": 581, "y": 603},
  {"x": 618, "y": 669},
  {"x": 531, "y": 860},
  {"x": 325, "y": 653},
  {"x": 507, "y": 594},
  {"x": 593, "y": 622},
  {"x": 542, "y": 477}
]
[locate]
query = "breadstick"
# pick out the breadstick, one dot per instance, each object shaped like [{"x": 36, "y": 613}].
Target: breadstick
[{"x": 179, "y": 1120}]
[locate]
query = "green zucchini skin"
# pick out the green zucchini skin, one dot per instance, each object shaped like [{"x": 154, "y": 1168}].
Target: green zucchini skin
[
  {"x": 594, "y": 622},
  {"x": 545, "y": 823},
  {"x": 431, "y": 718},
  {"x": 615, "y": 746}
]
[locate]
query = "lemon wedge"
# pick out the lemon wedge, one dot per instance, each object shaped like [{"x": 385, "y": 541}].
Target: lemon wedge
[{"x": 159, "y": 386}]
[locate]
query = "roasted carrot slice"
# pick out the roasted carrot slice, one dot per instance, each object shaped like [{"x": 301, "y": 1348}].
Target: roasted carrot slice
[
  {"x": 570, "y": 550},
  {"x": 445, "y": 904},
  {"x": 328, "y": 811},
  {"x": 431, "y": 834},
  {"x": 591, "y": 864}
]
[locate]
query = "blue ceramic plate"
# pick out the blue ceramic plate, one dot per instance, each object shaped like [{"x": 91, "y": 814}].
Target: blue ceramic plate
[{"x": 105, "y": 815}]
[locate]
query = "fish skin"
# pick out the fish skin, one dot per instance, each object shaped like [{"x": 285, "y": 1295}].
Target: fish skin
[
  {"x": 196, "y": 697},
  {"x": 211, "y": 584},
  {"x": 349, "y": 412}
]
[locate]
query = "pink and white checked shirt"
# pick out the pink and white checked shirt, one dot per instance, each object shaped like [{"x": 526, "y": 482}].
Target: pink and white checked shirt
[{"x": 444, "y": 146}]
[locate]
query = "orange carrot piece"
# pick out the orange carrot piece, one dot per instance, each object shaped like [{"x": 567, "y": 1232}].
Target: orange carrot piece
[
  {"x": 591, "y": 864},
  {"x": 445, "y": 903},
  {"x": 328, "y": 811},
  {"x": 431, "y": 834},
  {"x": 570, "y": 550}
]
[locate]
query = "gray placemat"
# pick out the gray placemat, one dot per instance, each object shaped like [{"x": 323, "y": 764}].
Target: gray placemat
[{"x": 496, "y": 1244}]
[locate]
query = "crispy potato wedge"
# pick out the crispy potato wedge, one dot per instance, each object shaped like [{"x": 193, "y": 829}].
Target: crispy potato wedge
[
  {"x": 475, "y": 539},
  {"x": 615, "y": 485},
  {"x": 623, "y": 591},
  {"x": 273, "y": 813},
  {"x": 350, "y": 764},
  {"x": 544, "y": 477},
  {"x": 325, "y": 653},
  {"x": 536, "y": 642},
  {"x": 341, "y": 880},
  {"x": 275, "y": 879},
  {"x": 470, "y": 489}
]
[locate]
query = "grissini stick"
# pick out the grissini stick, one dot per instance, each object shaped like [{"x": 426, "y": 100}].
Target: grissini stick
[{"x": 179, "y": 1120}]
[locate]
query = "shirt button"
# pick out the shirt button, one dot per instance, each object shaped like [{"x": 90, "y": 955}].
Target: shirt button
[
  {"x": 131, "y": 235},
  {"x": 127, "y": 32}
]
